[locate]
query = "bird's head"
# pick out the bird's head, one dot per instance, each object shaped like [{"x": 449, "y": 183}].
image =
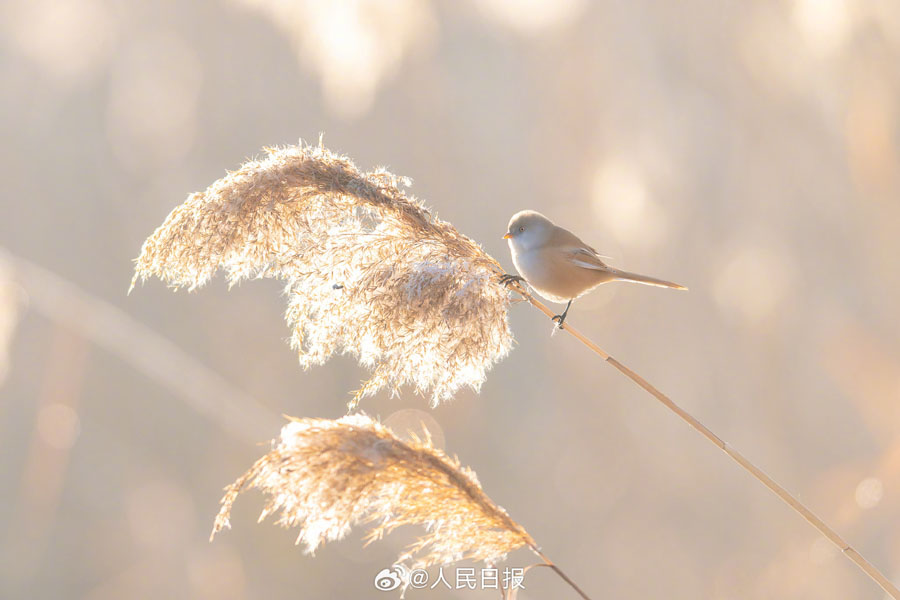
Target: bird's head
[{"x": 528, "y": 229}]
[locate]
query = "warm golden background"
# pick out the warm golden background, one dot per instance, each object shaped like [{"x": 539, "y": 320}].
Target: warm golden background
[{"x": 748, "y": 149}]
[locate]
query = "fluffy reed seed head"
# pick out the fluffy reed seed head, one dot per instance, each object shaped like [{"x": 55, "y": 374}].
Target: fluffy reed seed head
[
  {"x": 325, "y": 476},
  {"x": 369, "y": 270}
]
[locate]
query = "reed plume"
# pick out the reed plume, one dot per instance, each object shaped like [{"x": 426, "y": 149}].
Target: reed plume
[
  {"x": 368, "y": 269},
  {"x": 324, "y": 476},
  {"x": 371, "y": 272}
]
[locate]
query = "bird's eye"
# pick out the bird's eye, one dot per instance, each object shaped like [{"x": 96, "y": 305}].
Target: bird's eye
[{"x": 522, "y": 228}]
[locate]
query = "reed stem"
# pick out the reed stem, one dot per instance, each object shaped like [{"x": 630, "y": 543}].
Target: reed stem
[
  {"x": 820, "y": 525},
  {"x": 552, "y": 565}
]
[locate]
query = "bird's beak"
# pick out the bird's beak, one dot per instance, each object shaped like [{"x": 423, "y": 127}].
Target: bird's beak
[{"x": 506, "y": 236}]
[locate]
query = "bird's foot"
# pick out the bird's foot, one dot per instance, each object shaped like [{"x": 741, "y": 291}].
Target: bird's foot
[
  {"x": 509, "y": 278},
  {"x": 559, "y": 319}
]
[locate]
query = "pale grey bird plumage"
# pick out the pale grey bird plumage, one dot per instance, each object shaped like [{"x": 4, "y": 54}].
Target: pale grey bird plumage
[{"x": 558, "y": 264}]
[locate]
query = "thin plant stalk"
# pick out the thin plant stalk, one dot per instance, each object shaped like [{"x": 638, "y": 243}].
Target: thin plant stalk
[
  {"x": 510, "y": 593},
  {"x": 326, "y": 476},
  {"x": 849, "y": 551},
  {"x": 549, "y": 563}
]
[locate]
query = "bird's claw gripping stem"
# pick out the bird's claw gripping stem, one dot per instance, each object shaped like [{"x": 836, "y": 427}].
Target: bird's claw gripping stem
[
  {"x": 509, "y": 278},
  {"x": 560, "y": 319}
]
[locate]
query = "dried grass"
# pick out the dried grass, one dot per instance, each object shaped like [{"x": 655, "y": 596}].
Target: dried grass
[
  {"x": 369, "y": 270},
  {"x": 325, "y": 476}
]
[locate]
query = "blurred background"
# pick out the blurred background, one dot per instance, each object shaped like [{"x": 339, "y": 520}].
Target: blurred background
[{"x": 748, "y": 149}]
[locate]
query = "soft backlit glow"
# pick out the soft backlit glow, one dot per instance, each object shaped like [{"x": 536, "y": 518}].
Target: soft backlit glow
[
  {"x": 869, "y": 492},
  {"x": 352, "y": 45},
  {"x": 368, "y": 270},
  {"x": 752, "y": 283},
  {"x": 822, "y": 551},
  {"x": 871, "y": 121},
  {"x": 68, "y": 39},
  {"x": 11, "y": 298},
  {"x": 825, "y": 24},
  {"x": 623, "y": 205},
  {"x": 152, "y": 110},
  {"x": 160, "y": 515},
  {"x": 325, "y": 476},
  {"x": 532, "y": 16},
  {"x": 58, "y": 425}
]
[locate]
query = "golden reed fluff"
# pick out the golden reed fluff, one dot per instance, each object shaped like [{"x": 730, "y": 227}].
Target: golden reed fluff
[
  {"x": 368, "y": 269},
  {"x": 324, "y": 476},
  {"x": 371, "y": 272}
]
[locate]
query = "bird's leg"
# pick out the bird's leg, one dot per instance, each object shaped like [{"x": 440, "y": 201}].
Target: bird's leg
[
  {"x": 561, "y": 318},
  {"x": 509, "y": 278}
]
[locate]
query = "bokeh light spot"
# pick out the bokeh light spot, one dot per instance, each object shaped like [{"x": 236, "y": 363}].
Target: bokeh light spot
[
  {"x": 825, "y": 24},
  {"x": 752, "y": 283},
  {"x": 869, "y": 493},
  {"x": 623, "y": 206},
  {"x": 531, "y": 17},
  {"x": 70, "y": 40},
  {"x": 352, "y": 45}
]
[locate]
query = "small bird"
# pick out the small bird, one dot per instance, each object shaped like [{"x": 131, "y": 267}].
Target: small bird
[{"x": 557, "y": 264}]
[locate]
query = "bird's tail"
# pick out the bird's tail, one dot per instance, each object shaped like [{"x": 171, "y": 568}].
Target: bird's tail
[{"x": 626, "y": 276}]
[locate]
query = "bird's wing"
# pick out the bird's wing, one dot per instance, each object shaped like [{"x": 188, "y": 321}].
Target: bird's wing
[
  {"x": 587, "y": 257},
  {"x": 575, "y": 250}
]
